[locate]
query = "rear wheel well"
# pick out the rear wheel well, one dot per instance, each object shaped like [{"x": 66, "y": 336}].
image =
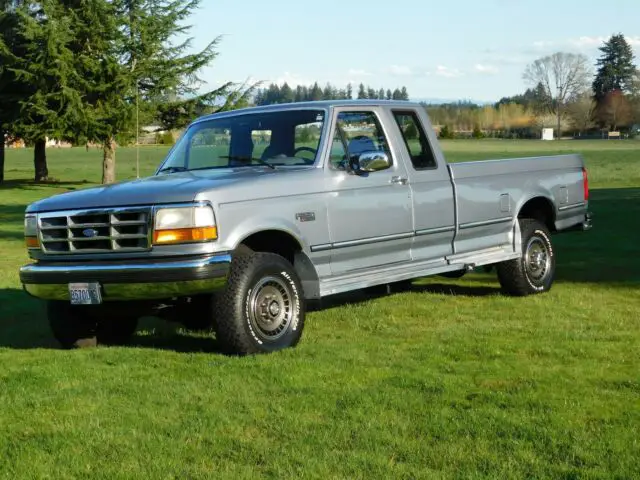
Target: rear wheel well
[{"x": 541, "y": 209}]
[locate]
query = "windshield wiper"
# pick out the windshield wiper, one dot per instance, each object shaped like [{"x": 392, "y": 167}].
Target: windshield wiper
[
  {"x": 259, "y": 160},
  {"x": 172, "y": 169}
]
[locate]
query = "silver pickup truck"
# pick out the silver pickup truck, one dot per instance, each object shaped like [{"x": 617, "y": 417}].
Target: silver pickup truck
[{"x": 255, "y": 212}]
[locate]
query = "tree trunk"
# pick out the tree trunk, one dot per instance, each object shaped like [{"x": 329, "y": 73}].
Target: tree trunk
[
  {"x": 109, "y": 161},
  {"x": 559, "y": 122},
  {"x": 1, "y": 155},
  {"x": 40, "y": 161}
]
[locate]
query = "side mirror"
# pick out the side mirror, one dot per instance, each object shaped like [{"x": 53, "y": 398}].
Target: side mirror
[{"x": 371, "y": 161}]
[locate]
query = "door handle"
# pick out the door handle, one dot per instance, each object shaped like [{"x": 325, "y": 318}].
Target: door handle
[{"x": 399, "y": 180}]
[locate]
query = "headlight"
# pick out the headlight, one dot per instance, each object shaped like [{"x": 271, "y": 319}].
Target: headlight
[
  {"x": 184, "y": 225},
  {"x": 31, "y": 231}
]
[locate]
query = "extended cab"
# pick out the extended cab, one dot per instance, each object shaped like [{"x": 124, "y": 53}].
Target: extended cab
[{"x": 256, "y": 211}]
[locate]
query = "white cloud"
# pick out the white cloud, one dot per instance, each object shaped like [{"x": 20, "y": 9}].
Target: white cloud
[
  {"x": 447, "y": 72},
  {"x": 587, "y": 42},
  {"x": 634, "y": 41},
  {"x": 358, "y": 72},
  {"x": 401, "y": 70},
  {"x": 542, "y": 44},
  {"x": 487, "y": 69}
]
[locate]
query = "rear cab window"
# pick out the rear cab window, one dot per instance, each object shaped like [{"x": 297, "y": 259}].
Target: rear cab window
[{"x": 415, "y": 140}]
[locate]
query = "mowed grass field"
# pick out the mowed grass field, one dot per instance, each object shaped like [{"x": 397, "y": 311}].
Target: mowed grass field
[{"x": 449, "y": 380}]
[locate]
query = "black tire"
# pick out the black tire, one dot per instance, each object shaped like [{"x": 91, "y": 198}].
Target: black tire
[
  {"x": 81, "y": 327},
  {"x": 71, "y": 326},
  {"x": 262, "y": 308},
  {"x": 534, "y": 271}
]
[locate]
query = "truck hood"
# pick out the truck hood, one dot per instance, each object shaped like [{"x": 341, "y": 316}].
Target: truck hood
[{"x": 174, "y": 188}]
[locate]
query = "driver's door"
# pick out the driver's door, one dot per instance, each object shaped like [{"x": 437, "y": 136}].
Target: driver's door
[{"x": 370, "y": 215}]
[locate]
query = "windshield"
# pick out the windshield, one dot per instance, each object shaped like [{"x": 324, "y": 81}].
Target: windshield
[{"x": 282, "y": 138}]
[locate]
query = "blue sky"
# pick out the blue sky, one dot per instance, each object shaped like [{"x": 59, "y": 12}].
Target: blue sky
[{"x": 438, "y": 49}]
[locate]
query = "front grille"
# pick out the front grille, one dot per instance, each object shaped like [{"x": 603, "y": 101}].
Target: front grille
[{"x": 95, "y": 231}]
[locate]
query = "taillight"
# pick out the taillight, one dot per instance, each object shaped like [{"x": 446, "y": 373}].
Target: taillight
[{"x": 585, "y": 183}]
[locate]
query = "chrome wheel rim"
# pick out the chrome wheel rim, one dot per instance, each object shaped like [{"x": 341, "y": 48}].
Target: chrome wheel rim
[
  {"x": 537, "y": 260},
  {"x": 271, "y": 308}
]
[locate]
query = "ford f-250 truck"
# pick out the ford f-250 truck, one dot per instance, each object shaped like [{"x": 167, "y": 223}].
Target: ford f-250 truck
[{"x": 257, "y": 211}]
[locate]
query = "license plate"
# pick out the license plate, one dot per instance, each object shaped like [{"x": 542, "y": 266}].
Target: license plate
[{"x": 85, "y": 293}]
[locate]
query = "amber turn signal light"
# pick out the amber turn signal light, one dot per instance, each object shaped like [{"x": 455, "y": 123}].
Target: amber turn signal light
[
  {"x": 32, "y": 242},
  {"x": 184, "y": 235}
]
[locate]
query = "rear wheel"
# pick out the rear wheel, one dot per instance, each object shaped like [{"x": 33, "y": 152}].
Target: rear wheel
[
  {"x": 262, "y": 308},
  {"x": 534, "y": 271}
]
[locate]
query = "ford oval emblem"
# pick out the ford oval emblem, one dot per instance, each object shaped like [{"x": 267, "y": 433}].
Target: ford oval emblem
[{"x": 90, "y": 232}]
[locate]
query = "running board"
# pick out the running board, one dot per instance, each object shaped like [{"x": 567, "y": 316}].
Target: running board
[
  {"x": 484, "y": 257},
  {"x": 411, "y": 270}
]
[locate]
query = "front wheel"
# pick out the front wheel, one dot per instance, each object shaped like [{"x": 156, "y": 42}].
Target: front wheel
[
  {"x": 262, "y": 308},
  {"x": 534, "y": 271}
]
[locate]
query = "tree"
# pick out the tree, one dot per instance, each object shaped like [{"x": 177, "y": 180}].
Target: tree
[
  {"x": 397, "y": 94},
  {"x": 315, "y": 92},
  {"x": 562, "y": 76},
  {"x": 615, "y": 110},
  {"x": 362, "y": 93},
  {"x": 286, "y": 94},
  {"x": 404, "y": 95},
  {"x": 581, "y": 111},
  {"x": 615, "y": 68},
  {"x": 329, "y": 92},
  {"x": 45, "y": 66},
  {"x": 153, "y": 61},
  {"x": 446, "y": 132},
  {"x": 10, "y": 90},
  {"x": 349, "y": 92}
]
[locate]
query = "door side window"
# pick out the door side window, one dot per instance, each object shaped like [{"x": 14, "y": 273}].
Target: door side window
[
  {"x": 415, "y": 140},
  {"x": 356, "y": 133}
]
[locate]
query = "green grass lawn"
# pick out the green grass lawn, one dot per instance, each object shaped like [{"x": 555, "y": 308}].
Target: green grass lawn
[{"x": 449, "y": 380}]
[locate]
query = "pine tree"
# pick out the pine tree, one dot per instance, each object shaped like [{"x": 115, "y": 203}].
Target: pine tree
[
  {"x": 397, "y": 94},
  {"x": 10, "y": 89},
  {"x": 381, "y": 94},
  {"x": 362, "y": 93},
  {"x": 615, "y": 68},
  {"x": 316, "y": 92},
  {"x": 286, "y": 94},
  {"x": 404, "y": 95},
  {"x": 389, "y": 95},
  {"x": 156, "y": 64},
  {"x": 349, "y": 92},
  {"x": 329, "y": 92},
  {"x": 53, "y": 104}
]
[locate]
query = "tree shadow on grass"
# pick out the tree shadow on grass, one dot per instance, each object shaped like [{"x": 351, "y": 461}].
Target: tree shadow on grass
[
  {"x": 27, "y": 184},
  {"x": 23, "y": 325},
  {"x": 608, "y": 253},
  {"x": 373, "y": 293}
]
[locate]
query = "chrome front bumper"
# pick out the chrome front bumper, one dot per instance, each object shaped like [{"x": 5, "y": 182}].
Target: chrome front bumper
[{"x": 130, "y": 280}]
